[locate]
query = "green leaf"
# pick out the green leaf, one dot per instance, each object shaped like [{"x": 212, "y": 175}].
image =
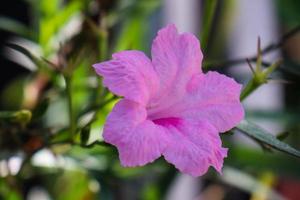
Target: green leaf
[
  {"x": 209, "y": 12},
  {"x": 134, "y": 31},
  {"x": 7, "y": 191},
  {"x": 131, "y": 37},
  {"x": 250, "y": 159},
  {"x": 40, "y": 109},
  {"x": 16, "y": 27},
  {"x": 51, "y": 25},
  {"x": 49, "y": 8},
  {"x": 85, "y": 135},
  {"x": 263, "y": 136},
  {"x": 22, "y": 116},
  {"x": 72, "y": 184},
  {"x": 38, "y": 62}
]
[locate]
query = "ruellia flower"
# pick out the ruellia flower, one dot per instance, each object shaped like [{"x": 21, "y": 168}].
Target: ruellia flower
[{"x": 170, "y": 107}]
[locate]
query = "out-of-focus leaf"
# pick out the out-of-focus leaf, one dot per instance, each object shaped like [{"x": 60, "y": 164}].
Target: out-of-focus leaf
[
  {"x": 247, "y": 182},
  {"x": 41, "y": 108},
  {"x": 209, "y": 13},
  {"x": 289, "y": 12},
  {"x": 133, "y": 36},
  {"x": 7, "y": 192},
  {"x": 151, "y": 192},
  {"x": 21, "y": 116},
  {"x": 127, "y": 173},
  {"x": 49, "y": 8},
  {"x": 278, "y": 116},
  {"x": 260, "y": 134},
  {"x": 13, "y": 94},
  {"x": 85, "y": 135},
  {"x": 80, "y": 90},
  {"x": 291, "y": 67},
  {"x": 73, "y": 185},
  {"x": 50, "y": 25},
  {"x": 38, "y": 62},
  {"x": 16, "y": 27},
  {"x": 255, "y": 160}
]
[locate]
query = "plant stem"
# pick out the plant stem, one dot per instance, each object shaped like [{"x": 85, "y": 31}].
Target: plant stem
[
  {"x": 249, "y": 88},
  {"x": 68, "y": 81},
  {"x": 209, "y": 12}
]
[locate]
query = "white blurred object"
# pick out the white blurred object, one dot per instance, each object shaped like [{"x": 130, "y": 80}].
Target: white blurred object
[
  {"x": 183, "y": 187},
  {"x": 185, "y": 14},
  {"x": 11, "y": 166},
  {"x": 246, "y": 182},
  {"x": 45, "y": 158},
  {"x": 70, "y": 29},
  {"x": 4, "y": 171},
  {"x": 19, "y": 58},
  {"x": 14, "y": 164},
  {"x": 38, "y": 193}
]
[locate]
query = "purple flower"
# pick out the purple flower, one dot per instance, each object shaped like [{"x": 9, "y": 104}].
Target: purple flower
[{"x": 170, "y": 107}]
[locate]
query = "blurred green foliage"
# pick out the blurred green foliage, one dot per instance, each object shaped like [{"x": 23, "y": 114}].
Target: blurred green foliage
[{"x": 57, "y": 112}]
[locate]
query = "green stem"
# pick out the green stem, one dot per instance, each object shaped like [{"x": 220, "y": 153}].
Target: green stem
[
  {"x": 250, "y": 87},
  {"x": 103, "y": 46},
  {"x": 72, "y": 127},
  {"x": 103, "y": 49},
  {"x": 209, "y": 12}
]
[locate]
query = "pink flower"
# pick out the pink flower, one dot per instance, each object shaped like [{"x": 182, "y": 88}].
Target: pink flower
[{"x": 170, "y": 107}]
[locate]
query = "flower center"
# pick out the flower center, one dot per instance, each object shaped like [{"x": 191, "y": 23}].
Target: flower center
[{"x": 170, "y": 121}]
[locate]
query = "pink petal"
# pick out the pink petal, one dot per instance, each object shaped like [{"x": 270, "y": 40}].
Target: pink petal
[
  {"x": 216, "y": 99},
  {"x": 129, "y": 74},
  {"x": 193, "y": 146},
  {"x": 212, "y": 97},
  {"x": 139, "y": 141},
  {"x": 175, "y": 57}
]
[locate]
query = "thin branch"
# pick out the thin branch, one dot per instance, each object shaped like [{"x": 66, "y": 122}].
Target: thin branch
[
  {"x": 250, "y": 66},
  {"x": 266, "y": 50},
  {"x": 72, "y": 123}
]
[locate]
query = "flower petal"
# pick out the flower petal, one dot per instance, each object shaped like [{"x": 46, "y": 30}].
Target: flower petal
[
  {"x": 129, "y": 74},
  {"x": 139, "y": 141},
  {"x": 212, "y": 97},
  {"x": 175, "y": 57},
  {"x": 193, "y": 146},
  {"x": 216, "y": 98}
]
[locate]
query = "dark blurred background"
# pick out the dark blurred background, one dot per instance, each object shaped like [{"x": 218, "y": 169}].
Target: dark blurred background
[{"x": 17, "y": 10}]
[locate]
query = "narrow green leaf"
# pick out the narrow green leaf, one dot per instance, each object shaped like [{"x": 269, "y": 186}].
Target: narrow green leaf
[
  {"x": 16, "y": 27},
  {"x": 131, "y": 36},
  {"x": 49, "y": 8},
  {"x": 21, "y": 50},
  {"x": 260, "y": 134},
  {"x": 209, "y": 12},
  {"x": 51, "y": 25},
  {"x": 41, "y": 109},
  {"x": 27, "y": 53},
  {"x": 85, "y": 135}
]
